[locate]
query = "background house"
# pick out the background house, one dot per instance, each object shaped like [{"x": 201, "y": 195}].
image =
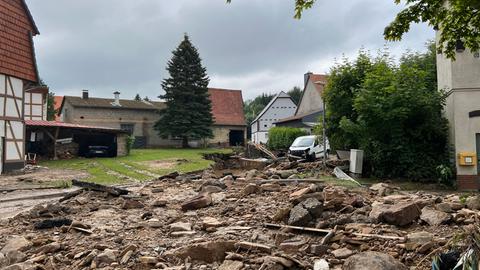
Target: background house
[
  {"x": 281, "y": 106},
  {"x": 18, "y": 73},
  {"x": 311, "y": 104},
  {"x": 461, "y": 79},
  {"x": 138, "y": 117}
]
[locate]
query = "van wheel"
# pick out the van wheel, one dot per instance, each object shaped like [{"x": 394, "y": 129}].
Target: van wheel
[{"x": 311, "y": 157}]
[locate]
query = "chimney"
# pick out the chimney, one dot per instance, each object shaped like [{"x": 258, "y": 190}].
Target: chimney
[
  {"x": 116, "y": 102},
  {"x": 85, "y": 94},
  {"x": 306, "y": 76}
]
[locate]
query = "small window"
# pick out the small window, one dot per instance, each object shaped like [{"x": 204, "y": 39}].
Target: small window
[
  {"x": 81, "y": 117},
  {"x": 265, "y": 125},
  {"x": 128, "y": 127}
]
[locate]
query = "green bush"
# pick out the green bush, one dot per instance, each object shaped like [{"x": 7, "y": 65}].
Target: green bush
[
  {"x": 130, "y": 142},
  {"x": 280, "y": 138}
]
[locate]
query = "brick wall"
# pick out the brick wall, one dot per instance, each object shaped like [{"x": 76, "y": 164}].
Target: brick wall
[
  {"x": 16, "y": 48},
  {"x": 468, "y": 182}
]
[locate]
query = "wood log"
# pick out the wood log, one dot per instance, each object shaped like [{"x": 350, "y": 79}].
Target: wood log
[
  {"x": 308, "y": 229},
  {"x": 114, "y": 191}
]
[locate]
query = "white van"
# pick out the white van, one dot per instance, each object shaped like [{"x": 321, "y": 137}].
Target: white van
[{"x": 309, "y": 147}]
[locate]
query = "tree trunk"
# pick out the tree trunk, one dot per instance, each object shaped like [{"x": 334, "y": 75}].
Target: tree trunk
[{"x": 185, "y": 142}]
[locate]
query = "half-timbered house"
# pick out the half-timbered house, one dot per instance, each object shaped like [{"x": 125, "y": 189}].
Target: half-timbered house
[{"x": 18, "y": 72}]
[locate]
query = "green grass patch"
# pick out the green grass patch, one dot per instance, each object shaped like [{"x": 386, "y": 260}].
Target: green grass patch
[{"x": 99, "y": 168}]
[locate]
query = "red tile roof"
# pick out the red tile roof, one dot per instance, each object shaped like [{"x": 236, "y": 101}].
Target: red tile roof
[
  {"x": 227, "y": 107},
  {"x": 57, "y": 103},
  {"x": 319, "y": 80},
  {"x": 17, "y": 57},
  {"x": 43, "y": 123}
]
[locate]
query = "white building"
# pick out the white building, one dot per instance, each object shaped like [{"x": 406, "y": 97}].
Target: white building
[
  {"x": 461, "y": 79},
  {"x": 281, "y": 106}
]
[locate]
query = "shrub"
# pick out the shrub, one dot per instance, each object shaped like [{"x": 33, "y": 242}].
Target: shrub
[
  {"x": 280, "y": 138},
  {"x": 130, "y": 142}
]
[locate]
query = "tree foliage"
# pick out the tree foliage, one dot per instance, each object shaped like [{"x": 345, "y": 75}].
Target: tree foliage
[
  {"x": 458, "y": 20},
  {"x": 51, "y": 111},
  {"x": 137, "y": 98},
  {"x": 295, "y": 93},
  {"x": 391, "y": 111},
  {"x": 280, "y": 138},
  {"x": 188, "y": 112}
]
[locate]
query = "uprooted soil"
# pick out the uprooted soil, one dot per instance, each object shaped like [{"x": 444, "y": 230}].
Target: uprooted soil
[{"x": 205, "y": 222}]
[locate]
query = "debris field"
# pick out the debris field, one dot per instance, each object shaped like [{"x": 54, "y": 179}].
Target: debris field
[{"x": 240, "y": 219}]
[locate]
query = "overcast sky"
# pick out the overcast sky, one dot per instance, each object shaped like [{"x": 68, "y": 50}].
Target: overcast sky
[{"x": 252, "y": 45}]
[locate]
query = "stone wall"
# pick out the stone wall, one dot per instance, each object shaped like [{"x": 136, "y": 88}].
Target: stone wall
[{"x": 121, "y": 144}]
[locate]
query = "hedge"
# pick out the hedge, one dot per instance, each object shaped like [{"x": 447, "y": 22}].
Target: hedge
[{"x": 280, "y": 138}]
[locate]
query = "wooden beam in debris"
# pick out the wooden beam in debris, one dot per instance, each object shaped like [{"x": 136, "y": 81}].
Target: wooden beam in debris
[
  {"x": 115, "y": 191},
  {"x": 264, "y": 150},
  {"x": 307, "y": 229},
  {"x": 294, "y": 180}
]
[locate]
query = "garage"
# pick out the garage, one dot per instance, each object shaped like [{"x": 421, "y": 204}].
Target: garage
[{"x": 58, "y": 140}]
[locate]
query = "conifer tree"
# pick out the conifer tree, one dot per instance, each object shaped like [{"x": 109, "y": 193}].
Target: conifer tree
[
  {"x": 188, "y": 112},
  {"x": 137, "y": 97}
]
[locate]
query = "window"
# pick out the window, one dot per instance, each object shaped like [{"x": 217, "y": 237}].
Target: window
[
  {"x": 265, "y": 125},
  {"x": 128, "y": 127}
]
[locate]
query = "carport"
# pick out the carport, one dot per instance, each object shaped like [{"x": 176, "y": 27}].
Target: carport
[{"x": 55, "y": 140}]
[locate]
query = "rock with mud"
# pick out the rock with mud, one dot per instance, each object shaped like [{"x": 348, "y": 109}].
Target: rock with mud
[{"x": 373, "y": 261}]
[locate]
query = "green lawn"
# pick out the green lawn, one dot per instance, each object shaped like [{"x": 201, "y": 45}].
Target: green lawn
[{"x": 140, "y": 165}]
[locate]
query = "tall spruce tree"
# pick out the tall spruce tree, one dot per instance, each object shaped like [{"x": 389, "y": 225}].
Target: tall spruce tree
[{"x": 189, "y": 111}]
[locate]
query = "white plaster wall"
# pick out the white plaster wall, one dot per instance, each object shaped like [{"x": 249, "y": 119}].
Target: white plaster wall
[
  {"x": 465, "y": 128},
  {"x": 281, "y": 108},
  {"x": 311, "y": 100}
]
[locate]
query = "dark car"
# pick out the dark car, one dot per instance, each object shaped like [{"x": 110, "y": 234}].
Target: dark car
[{"x": 98, "y": 151}]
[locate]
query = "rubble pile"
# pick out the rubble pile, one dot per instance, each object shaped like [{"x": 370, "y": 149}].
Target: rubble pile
[{"x": 255, "y": 219}]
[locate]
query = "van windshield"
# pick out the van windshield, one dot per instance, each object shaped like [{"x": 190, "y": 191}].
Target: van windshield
[{"x": 303, "y": 142}]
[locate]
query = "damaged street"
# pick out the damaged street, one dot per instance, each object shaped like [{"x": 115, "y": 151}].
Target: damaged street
[{"x": 229, "y": 217}]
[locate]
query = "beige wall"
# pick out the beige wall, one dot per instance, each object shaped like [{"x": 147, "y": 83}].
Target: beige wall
[
  {"x": 221, "y": 134},
  {"x": 311, "y": 100},
  {"x": 121, "y": 145},
  {"x": 461, "y": 79}
]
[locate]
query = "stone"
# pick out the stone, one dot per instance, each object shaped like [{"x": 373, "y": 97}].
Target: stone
[
  {"x": 159, "y": 203},
  {"x": 180, "y": 226},
  {"x": 197, "y": 202},
  {"x": 425, "y": 248},
  {"x": 253, "y": 246},
  {"x": 271, "y": 187},
  {"x": 399, "y": 214},
  {"x": 342, "y": 253},
  {"x": 132, "y": 204},
  {"x": 299, "y": 216},
  {"x": 231, "y": 265},
  {"x": 126, "y": 257},
  {"x": 183, "y": 233},
  {"x": 313, "y": 206},
  {"x": 15, "y": 256},
  {"x": 300, "y": 193},
  {"x": 434, "y": 217},
  {"x": 250, "y": 175},
  {"x": 473, "y": 203},
  {"x": 148, "y": 260},
  {"x": 420, "y": 237},
  {"x": 211, "y": 222},
  {"x": 373, "y": 261},
  {"x": 18, "y": 243},
  {"x": 281, "y": 214},
  {"x": 321, "y": 265},
  {"x": 319, "y": 250},
  {"x": 381, "y": 188},
  {"x": 250, "y": 189},
  {"x": 154, "y": 223},
  {"x": 456, "y": 205},
  {"x": 49, "y": 248},
  {"x": 444, "y": 207},
  {"x": 284, "y": 174},
  {"x": 156, "y": 190},
  {"x": 211, "y": 189},
  {"x": 291, "y": 247},
  {"x": 106, "y": 257},
  {"x": 206, "y": 251}
]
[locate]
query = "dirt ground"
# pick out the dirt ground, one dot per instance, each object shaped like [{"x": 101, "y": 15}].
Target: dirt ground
[{"x": 38, "y": 177}]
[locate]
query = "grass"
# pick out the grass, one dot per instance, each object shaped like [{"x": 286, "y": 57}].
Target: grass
[{"x": 135, "y": 167}]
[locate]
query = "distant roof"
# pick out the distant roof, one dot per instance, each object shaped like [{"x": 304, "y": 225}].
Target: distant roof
[
  {"x": 57, "y": 104},
  {"x": 92, "y": 102},
  {"x": 227, "y": 107},
  {"x": 297, "y": 117},
  {"x": 319, "y": 81},
  {"x": 279, "y": 95},
  {"x": 43, "y": 123}
]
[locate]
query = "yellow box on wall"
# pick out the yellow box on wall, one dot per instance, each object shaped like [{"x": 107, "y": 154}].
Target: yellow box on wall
[{"x": 467, "y": 158}]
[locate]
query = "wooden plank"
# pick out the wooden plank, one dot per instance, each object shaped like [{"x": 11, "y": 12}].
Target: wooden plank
[{"x": 115, "y": 191}]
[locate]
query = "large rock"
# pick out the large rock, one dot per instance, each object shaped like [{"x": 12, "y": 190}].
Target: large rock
[
  {"x": 399, "y": 214},
  {"x": 299, "y": 216},
  {"x": 197, "y": 202},
  {"x": 313, "y": 206},
  {"x": 473, "y": 203},
  {"x": 342, "y": 253},
  {"x": 251, "y": 189},
  {"x": 434, "y": 217},
  {"x": 180, "y": 226},
  {"x": 17, "y": 243},
  {"x": 373, "y": 261},
  {"x": 207, "y": 251}
]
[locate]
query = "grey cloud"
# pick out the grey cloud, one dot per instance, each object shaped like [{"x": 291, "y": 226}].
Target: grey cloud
[{"x": 253, "y": 45}]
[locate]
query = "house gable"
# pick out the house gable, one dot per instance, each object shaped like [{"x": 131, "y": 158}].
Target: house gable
[
  {"x": 311, "y": 99},
  {"x": 17, "y": 56}
]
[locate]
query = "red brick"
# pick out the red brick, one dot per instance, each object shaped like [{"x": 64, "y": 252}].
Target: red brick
[{"x": 468, "y": 182}]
